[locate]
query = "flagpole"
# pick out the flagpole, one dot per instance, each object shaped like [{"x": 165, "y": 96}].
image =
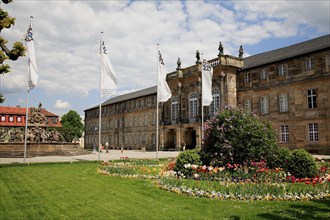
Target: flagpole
[
  {"x": 26, "y": 122},
  {"x": 100, "y": 110},
  {"x": 157, "y": 107},
  {"x": 27, "y": 104},
  {"x": 202, "y": 101}
]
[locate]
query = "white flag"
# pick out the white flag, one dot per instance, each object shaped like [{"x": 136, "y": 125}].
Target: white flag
[
  {"x": 207, "y": 74},
  {"x": 33, "y": 73},
  {"x": 163, "y": 91},
  {"x": 108, "y": 75}
]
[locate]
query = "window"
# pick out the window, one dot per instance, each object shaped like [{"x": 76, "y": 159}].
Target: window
[
  {"x": 215, "y": 104},
  {"x": 153, "y": 136},
  {"x": 135, "y": 139},
  {"x": 248, "y": 106},
  {"x": 154, "y": 118},
  {"x": 175, "y": 109},
  {"x": 313, "y": 132},
  {"x": 281, "y": 70},
  {"x": 19, "y": 119},
  {"x": 141, "y": 120},
  {"x": 11, "y": 118},
  {"x": 3, "y": 118},
  {"x": 264, "y": 105},
  {"x": 247, "y": 77},
  {"x": 263, "y": 74},
  {"x": 309, "y": 63},
  {"x": 193, "y": 106},
  {"x": 283, "y": 102},
  {"x": 284, "y": 132},
  {"x": 311, "y": 98}
]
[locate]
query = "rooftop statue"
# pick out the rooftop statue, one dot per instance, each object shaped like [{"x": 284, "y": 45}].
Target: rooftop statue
[
  {"x": 178, "y": 63},
  {"x": 240, "y": 55},
  {"x": 220, "y": 49},
  {"x": 197, "y": 56}
]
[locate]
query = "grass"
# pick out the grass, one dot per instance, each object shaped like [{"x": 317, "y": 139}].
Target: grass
[{"x": 77, "y": 191}]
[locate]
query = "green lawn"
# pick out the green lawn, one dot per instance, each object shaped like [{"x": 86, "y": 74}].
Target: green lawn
[{"x": 77, "y": 191}]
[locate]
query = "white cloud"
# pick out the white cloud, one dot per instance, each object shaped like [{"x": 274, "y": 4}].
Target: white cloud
[
  {"x": 61, "y": 105},
  {"x": 67, "y": 36}
]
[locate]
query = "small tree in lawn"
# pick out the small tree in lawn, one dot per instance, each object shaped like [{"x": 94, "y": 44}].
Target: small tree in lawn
[{"x": 236, "y": 137}]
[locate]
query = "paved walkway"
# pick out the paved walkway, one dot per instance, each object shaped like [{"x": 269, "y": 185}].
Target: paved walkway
[{"x": 113, "y": 155}]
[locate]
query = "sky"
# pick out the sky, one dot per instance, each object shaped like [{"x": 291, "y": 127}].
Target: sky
[{"x": 67, "y": 36}]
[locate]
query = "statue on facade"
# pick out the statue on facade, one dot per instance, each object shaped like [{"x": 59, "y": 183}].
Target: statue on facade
[
  {"x": 178, "y": 63},
  {"x": 197, "y": 56},
  {"x": 240, "y": 55},
  {"x": 220, "y": 49}
]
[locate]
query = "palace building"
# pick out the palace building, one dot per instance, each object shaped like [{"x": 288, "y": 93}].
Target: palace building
[{"x": 289, "y": 86}]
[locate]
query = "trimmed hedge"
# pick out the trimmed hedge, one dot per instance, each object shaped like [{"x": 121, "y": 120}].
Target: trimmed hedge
[{"x": 301, "y": 164}]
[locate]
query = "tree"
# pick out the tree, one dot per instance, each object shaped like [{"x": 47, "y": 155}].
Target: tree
[
  {"x": 236, "y": 137},
  {"x": 6, "y": 53},
  {"x": 72, "y": 127},
  {"x": 2, "y": 99}
]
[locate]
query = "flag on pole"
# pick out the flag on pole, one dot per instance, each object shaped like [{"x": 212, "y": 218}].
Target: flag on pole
[
  {"x": 163, "y": 91},
  {"x": 108, "y": 75},
  {"x": 207, "y": 74},
  {"x": 33, "y": 72}
]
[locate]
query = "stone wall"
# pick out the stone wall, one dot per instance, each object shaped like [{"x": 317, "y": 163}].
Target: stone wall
[{"x": 38, "y": 149}]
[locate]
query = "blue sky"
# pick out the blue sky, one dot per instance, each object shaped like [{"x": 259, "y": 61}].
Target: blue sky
[{"x": 67, "y": 35}]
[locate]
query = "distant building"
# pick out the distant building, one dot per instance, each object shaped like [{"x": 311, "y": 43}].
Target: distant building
[
  {"x": 40, "y": 122},
  {"x": 15, "y": 117},
  {"x": 289, "y": 86}
]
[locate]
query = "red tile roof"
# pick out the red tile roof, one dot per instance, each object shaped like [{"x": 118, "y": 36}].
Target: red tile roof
[{"x": 22, "y": 111}]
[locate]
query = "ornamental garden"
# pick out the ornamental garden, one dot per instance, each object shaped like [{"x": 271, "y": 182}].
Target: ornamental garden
[{"x": 239, "y": 160}]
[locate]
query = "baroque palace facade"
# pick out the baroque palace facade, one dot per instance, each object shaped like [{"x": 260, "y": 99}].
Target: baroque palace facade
[{"x": 289, "y": 86}]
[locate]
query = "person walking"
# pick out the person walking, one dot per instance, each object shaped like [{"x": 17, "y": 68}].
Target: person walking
[
  {"x": 106, "y": 147},
  {"x": 183, "y": 145}
]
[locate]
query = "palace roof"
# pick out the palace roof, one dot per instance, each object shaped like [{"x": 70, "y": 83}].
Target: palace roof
[{"x": 299, "y": 49}]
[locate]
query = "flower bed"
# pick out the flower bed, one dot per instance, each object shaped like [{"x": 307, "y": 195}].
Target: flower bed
[
  {"x": 233, "y": 181},
  {"x": 138, "y": 169}
]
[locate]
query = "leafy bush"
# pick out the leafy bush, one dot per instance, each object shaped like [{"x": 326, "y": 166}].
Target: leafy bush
[
  {"x": 302, "y": 164},
  {"x": 187, "y": 157},
  {"x": 279, "y": 158},
  {"x": 236, "y": 137}
]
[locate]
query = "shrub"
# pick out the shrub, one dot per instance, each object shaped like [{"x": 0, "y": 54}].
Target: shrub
[
  {"x": 302, "y": 164},
  {"x": 279, "y": 158},
  {"x": 236, "y": 137},
  {"x": 187, "y": 157}
]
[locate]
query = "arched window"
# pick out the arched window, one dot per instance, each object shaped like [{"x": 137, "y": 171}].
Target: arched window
[
  {"x": 215, "y": 104},
  {"x": 175, "y": 109},
  {"x": 193, "y": 102}
]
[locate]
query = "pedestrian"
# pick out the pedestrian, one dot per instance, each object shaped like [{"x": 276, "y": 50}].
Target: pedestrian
[
  {"x": 106, "y": 147},
  {"x": 183, "y": 145}
]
